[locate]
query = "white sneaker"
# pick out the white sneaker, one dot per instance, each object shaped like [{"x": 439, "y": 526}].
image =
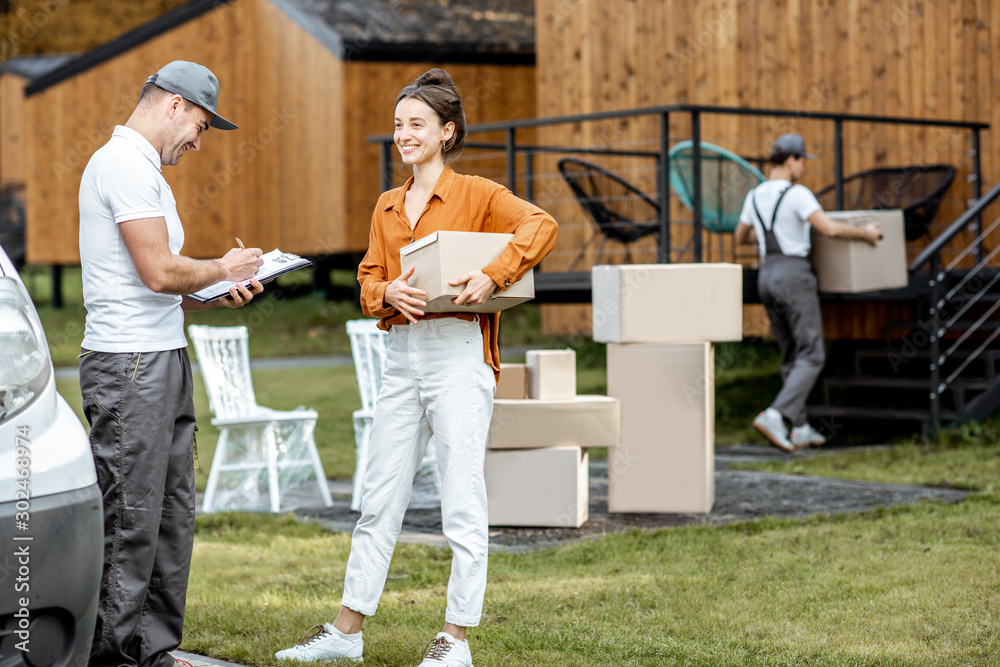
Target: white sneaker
[
  {"x": 806, "y": 436},
  {"x": 771, "y": 424},
  {"x": 324, "y": 642},
  {"x": 446, "y": 651}
]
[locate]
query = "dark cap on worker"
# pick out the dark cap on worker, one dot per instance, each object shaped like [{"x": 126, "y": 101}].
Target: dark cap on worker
[
  {"x": 196, "y": 84},
  {"x": 791, "y": 144}
]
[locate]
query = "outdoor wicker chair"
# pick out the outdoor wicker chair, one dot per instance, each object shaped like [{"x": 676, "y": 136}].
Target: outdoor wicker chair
[
  {"x": 916, "y": 190},
  {"x": 726, "y": 178},
  {"x": 620, "y": 211}
]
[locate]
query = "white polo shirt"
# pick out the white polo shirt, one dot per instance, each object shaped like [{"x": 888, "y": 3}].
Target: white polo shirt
[
  {"x": 791, "y": 228},
  {"x": 122, "y": 182}
]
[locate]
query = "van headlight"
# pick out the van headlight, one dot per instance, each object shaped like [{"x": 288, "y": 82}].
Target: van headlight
[{"x": 24, "y": 355}]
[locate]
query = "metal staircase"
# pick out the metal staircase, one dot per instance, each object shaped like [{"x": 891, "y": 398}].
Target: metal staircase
[{"x": 945, "y": 368}]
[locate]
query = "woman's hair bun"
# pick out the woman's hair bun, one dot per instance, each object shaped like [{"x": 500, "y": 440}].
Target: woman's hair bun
[{"x": 435, "y": 77}]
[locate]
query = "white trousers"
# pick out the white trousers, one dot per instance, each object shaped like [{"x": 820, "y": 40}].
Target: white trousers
[{"x": 435, "y": 382}]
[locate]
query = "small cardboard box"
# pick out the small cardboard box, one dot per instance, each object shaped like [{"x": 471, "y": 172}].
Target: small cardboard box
[
  {"x": 582, "y": 421},
  {"x": 551, "y": 373},
  {"x": 513, "y": 381},
  {"x": 666, "y": 460},
  {"x": 667, "y": 303},
  {"x": 846, "y": 266},
  {"x": 538, "y": 487},
  {"x": 444, "y": 256}
]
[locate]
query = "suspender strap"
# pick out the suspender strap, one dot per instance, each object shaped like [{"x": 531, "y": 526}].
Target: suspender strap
[{"x": 771, "y": 246}]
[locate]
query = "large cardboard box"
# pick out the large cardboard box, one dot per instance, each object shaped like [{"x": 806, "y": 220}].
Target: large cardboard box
[
  {"x": 444, "y": 256},
  {"x": 582, "y": 421},
  {"x": 666, "y": 459},
  {"x": 538, "y": 487},
  {"x": 551, "y": 373},
  {"x": 849, "y": 266},
  {"x": 513, "y": 381},
  {"x": 667, "y": 303}
]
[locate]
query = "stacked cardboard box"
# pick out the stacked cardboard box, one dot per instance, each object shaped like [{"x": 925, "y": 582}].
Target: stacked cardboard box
[
  {"x": 848, "y": 267},
  {"x": 667, "y": 303},
  {"x": 536, "y": 461},
  {"x": 660, "y": 322},
  {"x": 666, "y": 459},
  {"x": 546, "y": 487},
  {"x": 513, "y": 381}
]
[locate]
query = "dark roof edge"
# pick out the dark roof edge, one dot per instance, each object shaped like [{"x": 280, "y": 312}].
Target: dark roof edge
[
  {"x": 316, "y": 27},
  {"x": 25, "y": 66},
  {"x": 441, "y": 53},
  {"x": 124, "y": 43}
]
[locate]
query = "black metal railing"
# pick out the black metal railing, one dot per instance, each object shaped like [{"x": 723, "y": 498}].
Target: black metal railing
[
  {"x": 949, "y": 303},
  {"x": 512, "y": 149}
]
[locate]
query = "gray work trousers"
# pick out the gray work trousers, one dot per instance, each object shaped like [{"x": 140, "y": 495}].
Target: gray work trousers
[
  {"x": 142, "y": 422},
  {"x": 788, "y": 289}
]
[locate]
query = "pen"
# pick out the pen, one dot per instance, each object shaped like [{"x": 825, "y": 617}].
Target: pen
[{"x": 240, "y": 242}]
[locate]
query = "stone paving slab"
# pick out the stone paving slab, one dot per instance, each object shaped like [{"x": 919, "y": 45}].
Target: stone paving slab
[{"x": 201, "y": 661}]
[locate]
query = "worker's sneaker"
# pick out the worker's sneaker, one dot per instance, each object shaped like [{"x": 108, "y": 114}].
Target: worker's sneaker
[
  {"x": 772, "y": 426},
  {"x": 806, "y": 436},
  {"x": 446, "y": 651},
  {"x": 324, "y": 642}
]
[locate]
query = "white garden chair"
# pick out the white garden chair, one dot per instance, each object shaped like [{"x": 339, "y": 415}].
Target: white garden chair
[
  {"x": 266, "y": 459},
  {"x": 368, "y": 344}
]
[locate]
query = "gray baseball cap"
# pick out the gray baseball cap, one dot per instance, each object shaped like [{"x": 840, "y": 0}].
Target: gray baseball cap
[
  {"x": 196, "y": 84},
  {"x": 791, "y": 144}
]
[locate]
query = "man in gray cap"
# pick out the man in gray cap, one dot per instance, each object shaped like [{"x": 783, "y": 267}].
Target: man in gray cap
[
  {"x": 135, "y": 375},
  {"x": 778, "y": 216}
]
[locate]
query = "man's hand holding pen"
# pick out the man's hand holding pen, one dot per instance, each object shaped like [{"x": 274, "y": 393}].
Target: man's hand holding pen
[{"x": 241, "y": 264}]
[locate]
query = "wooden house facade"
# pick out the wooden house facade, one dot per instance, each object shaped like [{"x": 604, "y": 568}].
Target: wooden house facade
[
  {"x": 307, "y": 82},
  {"x": 931, "y": 60},
  {"x": 15, "y": 75}
]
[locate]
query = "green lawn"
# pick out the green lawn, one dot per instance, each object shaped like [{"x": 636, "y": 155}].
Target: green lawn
[
  {"x": 910, "y": 586},
  {"x": 907, "y": 586},
  {"x": 964, "y": 458}
]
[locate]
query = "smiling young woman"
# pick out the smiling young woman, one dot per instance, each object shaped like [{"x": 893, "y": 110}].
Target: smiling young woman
[{"x": 440, "y": 372}]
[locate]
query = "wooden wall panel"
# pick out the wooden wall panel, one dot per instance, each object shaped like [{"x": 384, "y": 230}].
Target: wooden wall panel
[
  {"x": 13, "y": 159},
  {"x": 489, "y": 92},
  {"x": 277, "y": 181},
  {"x": 72, "y": 119},
  {"x": 929, "y": 60},
  {"x": 301, "y": 185},
  {"x": 216, "y": 189},
  {"x": 298, "y": 174}
]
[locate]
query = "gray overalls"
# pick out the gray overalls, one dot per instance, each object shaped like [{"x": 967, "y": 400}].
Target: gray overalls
[{"x": 788, "y": 289}]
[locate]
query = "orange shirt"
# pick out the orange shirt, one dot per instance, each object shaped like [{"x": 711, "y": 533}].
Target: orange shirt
[{"x": 458, "y": 203}]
